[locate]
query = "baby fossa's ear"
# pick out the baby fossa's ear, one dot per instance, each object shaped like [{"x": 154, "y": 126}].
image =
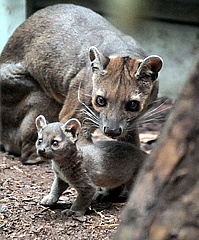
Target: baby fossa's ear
[
  {"x": 40, "y": 122},
  {"x": 149, "y": 67},
  {"x": 98, "y": 61},
  {"x": 73, "y": 126}
]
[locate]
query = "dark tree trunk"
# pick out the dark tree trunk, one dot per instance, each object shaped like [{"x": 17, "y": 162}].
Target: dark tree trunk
[{"x": 164, "y": 204}]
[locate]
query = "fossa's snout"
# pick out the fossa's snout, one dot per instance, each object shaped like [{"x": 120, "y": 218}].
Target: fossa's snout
[
  {"x": 112, "y": 132},
  {"x": 41, "y": 151}
]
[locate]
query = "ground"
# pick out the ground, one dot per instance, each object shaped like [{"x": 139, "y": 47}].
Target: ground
[
  {"x": 22, "y": 216},
  {"x": 22, "y": 188}
]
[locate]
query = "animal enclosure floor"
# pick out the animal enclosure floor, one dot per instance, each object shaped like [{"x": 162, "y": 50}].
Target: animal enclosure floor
[
  {"x": 22, "y": 188},
  {"x": 22, "y": 216}
]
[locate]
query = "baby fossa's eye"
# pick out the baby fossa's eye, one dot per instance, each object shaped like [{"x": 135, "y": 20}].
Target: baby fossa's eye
[
  {"x": 40, "y": 140},
  {"x": 54, "y": 143}
]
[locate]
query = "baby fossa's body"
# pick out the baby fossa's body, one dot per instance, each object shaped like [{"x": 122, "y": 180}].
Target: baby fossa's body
[{"x": 86, "y": 167}]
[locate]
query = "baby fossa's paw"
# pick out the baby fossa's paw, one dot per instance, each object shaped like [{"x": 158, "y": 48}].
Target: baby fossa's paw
[
  {"x": 49, "y": 200},
  {"x": 76, "y": 215},
  {"x": 108, "y": 195}
]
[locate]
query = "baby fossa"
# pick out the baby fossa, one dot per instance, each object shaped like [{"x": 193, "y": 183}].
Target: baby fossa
[
  {"x": 106, "y": 164},
  {"x": 69, "y": 61}
]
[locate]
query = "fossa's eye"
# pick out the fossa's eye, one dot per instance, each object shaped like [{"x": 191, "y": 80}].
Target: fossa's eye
[
  {"x": 133, "y": 106},
  {"x": 55, "y": 143},
  {"x": 39, "y": 141},
  {"x": 101, "y": 101}
]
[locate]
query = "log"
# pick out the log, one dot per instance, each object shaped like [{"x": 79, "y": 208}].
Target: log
[{"x": 164, "y": 203}]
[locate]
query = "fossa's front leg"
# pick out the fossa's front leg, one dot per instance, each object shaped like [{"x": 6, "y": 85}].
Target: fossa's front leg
[
  {"x": 82, "y": 202},
  {"x": 57, "y": 188}
]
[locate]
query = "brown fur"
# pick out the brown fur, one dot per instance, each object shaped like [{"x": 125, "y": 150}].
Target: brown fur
[
  {"x": 106, "y": 164},
  {"x": 67, "y": 55}
]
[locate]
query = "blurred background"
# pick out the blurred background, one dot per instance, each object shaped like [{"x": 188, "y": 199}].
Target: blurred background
[{"x": 168, "y": 28}]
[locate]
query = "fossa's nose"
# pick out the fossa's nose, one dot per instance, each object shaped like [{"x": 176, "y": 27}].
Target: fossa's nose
[
  {"x": 41, "y": 150},
  {"x": 113, "y": 133}
]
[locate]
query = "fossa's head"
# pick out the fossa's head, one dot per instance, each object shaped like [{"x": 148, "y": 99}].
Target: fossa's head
[
  {"x": 56, "y": 139},
  {"x": 123, "y": 89}
]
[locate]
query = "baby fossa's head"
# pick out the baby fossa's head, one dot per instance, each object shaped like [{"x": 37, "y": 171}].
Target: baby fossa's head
[{"x": 56, "y": 139}]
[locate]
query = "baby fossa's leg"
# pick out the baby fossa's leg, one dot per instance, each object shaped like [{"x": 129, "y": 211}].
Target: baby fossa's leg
[
  {"x": 57, "y": 188},
  {"x": 82, "y": 202}
]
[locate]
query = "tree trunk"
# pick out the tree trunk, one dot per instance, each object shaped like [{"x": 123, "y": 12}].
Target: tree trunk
[{"x": 164, "y": 203}]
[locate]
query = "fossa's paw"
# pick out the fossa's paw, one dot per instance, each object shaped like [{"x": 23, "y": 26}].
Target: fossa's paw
[
  {"x": 108, "y": 195},
  {"x": 29, "y": 155},
  {"x": 76, "y": 215},
  {"x": 32, "y": 160},
  {"x": 49, "y": 200}
]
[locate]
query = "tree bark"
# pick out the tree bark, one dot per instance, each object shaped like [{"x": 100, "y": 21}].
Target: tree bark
[{"x": 164, "y": 203}]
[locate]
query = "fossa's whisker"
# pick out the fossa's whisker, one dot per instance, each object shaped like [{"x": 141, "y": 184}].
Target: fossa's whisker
[
  {"x": 159, "y": 106},
  {"x": 94, "y": 117},
  {"x": 91, "y": 116},
  {"x": 90, "y": 119},
  {"x": 130, "y": 128},
  {"x": 152, "y": 116}
]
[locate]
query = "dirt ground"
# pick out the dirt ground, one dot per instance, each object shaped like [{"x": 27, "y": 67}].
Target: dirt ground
[
  {"x": 22, "y": 216},
  {"x": 22, "y": 188}
]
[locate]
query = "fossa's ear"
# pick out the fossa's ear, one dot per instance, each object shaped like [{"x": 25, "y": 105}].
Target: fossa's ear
[
  {"x": 98, "y": 61},
  {"x": 149, "y": 67},
  {"x": 40, "y": 122},
  {"x": 73, "y": 126}
]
